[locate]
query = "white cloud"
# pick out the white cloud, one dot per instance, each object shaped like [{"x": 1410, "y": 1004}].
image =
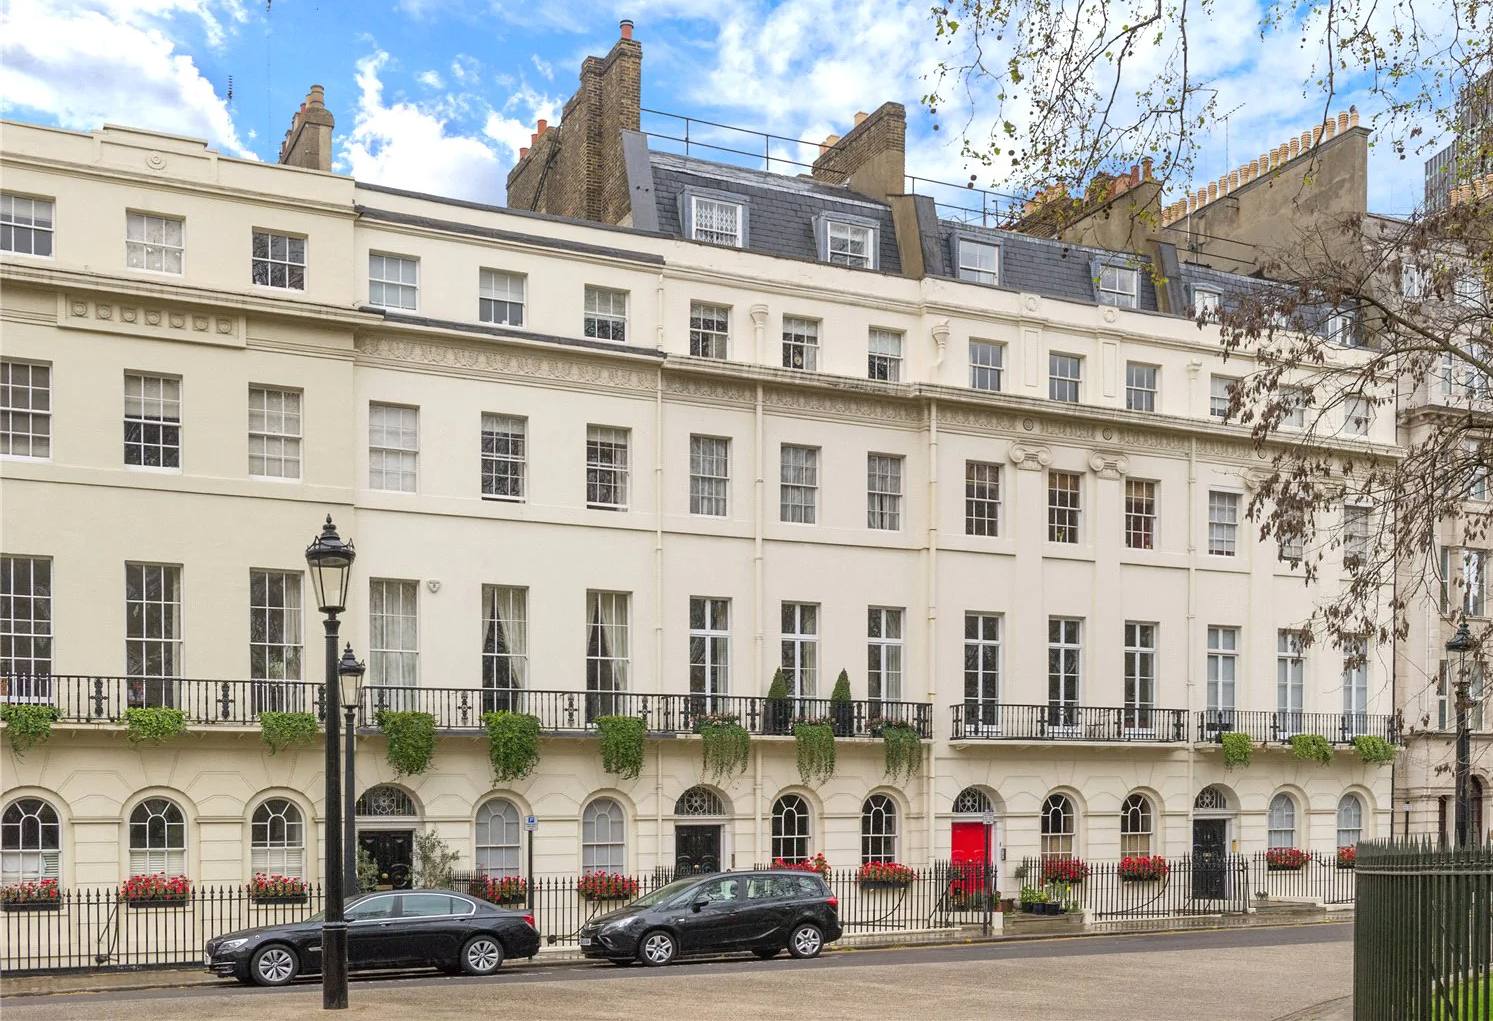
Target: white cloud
[
  {"x": 431, "y": 79},
  {"x": 88, "y": 62},
  {"x": 544, "y": 67}
]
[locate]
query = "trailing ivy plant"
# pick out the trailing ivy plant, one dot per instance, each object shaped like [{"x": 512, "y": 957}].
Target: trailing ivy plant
[
  {"x": 622, "y": 745},
  {"x": 841, "y": 709},
  {"x": 904, "y": 749},
  {"x": 815, "y": 743},
  {"x": 1312, "y": 748},
  {"x": 779, "y": 707},
  {"x": 726, "y": 745},
  {"x": 1373, "y": 750},
  {"x": 282, "y": 730},
  {"x": 512, "y": 744},
  {"x": 152, "y": 725},
  {"x": 1238, "y": 749},
  {"x": 411, "y": 737},
  {"x": 27, "y": 725}
]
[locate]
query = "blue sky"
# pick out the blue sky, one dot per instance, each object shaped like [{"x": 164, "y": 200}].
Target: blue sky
[{"x": 438, "y": 95}]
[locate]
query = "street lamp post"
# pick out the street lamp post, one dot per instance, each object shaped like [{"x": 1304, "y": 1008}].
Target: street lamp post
[
  {"x": 350, "y": 678},
  {"x": 1460, "y": 644},
  {"x": 330, "y": 560}
]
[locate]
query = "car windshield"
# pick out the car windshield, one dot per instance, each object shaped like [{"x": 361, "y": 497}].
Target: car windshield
[{"x": 665, "y": 893}]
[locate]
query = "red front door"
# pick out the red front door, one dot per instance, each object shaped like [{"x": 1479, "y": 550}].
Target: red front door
[{"x": 967, "y": 847}]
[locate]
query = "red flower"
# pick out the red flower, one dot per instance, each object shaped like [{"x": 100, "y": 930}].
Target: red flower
[
  {"x": 817, "y": 864},
  {"x": 607, "y": 886},
  {"x": 34, "y": 891},
  {"x": 1143, "y": 866},
  {"x": 503, "y": 889},
  {"x": 1064, "y": 870},
  {"x": 275, "y": 885},
  {"x": 156, "y": 886},
  {"x": 1287, "y": 858},
  {"x": 886, "y": 872},
  {"x": 1347, "y": 857}
]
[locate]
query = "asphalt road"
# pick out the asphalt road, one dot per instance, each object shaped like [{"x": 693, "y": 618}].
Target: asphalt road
[{"x": 1244, "y": 974}]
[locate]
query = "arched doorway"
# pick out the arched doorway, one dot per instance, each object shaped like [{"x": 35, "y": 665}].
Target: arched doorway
[
  {"x": 973, "y": 838},
  {"x": 1212, "y": 821},
  {"x": 699, "y": 816},
  {"x": 386, "y": 820}
]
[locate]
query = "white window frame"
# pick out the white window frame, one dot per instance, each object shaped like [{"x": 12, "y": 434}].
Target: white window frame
[
  {"x": 982, "y": 498},
  {"x": 709, "y": 475},
  {"x": 1140, "y": 513},
  {"x": 1060, "y": 384},
  {"x": 1059, "y": 828},
  {"x": 841, "y": 236},
  {"x": 878, "y": 829},
  {"x": 972, "y": 271},
  {"x": 26, "y": 627},
  {"x": 1138, "y": 395},
  {"x": 163, "y": 853},
  {"x": 26, "y": 409},
  {"x": 1358, "y": 415},
  {"x": 155, "y": 237},
  {"x": 1137, "y": 826},
  {"x": 1065, "y": 508},
  {"x": 1355, "y": 685},
  {"x": 884, "y": 355},
  {"x": 14, "y": 221},
  {"x": 275, "y": 420},
  {"x": 393, "y": 447},
  {"x": 1223, "y": 523},
  {"x": 399, "y": 290},
  {"x": 502, "y": 291},
  {"x": 1065, "y": 684},
  {"x": 608, "y": 645},
  {"x": 497, "y": 839},
  {"x": 1349, "y": 820},
  {"x": 601, "y": 319},
  {"x": 505, "y": 457},
  {"x": 608, "y": 467},
  {"x": 987, "y": 365},
  {"x": 150, "y": 399},
  {"x": 276, "y": 620},
  {"x": 884, "y": 473},
  {"x": 1205, "y": 303},
  {"x": 153, "y": 632},
  {"x": 603, "y": 850},
  {"x": 1223, "y": 668},
  {"x": 709, "y": 647},
  {"x": 1119, "y": 286},
  {"x": 884, "y": 635},
  {"x": 277, "y": 839},
  {"x": 798, "y": 484},
  {"x": 800, "y": 647},
  {"x": 717, "y": 232},
  {"x": 288, "y": 263},
  {"x": 1293, "y": 414},
  {"x": 801, "y": 343},
  {"x": 27, "y": 826},
  {"x": 709, "y": 330},
  {"x": 1290, "y": 680},
  {"x": 1281, "y": 822},
  {"x": 505, "y": 608},
  {"x": 982, "y": 683},
  {"x": 1218, "y": 395},
  {"x": 393, "y": 632},
  {"x": 792, "y": 828},
  {"x": 1141, "y": 680}
]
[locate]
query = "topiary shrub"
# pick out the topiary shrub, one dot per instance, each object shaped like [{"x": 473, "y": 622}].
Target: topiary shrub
[
  {"x": 815, "y": 744},
  {"x": 1238, "y": 749},
  {"x": 512, "y": 744},
  {"x": 283, "y": 730},
  {"x": 904, "y": 748},
  {"x": 841, "y": 708},
  {"x": 779, "y": 710},
  {"x": 1374, "y": 751},
  {"x": 411, "y": 738},
  {"x": 1312, "y": 748},
  {"x": 622, "y": 745},
  {"x": 725, "y": 745},
  {"x": 153, "y": 725},
  {"x": 27, "y": 725}
]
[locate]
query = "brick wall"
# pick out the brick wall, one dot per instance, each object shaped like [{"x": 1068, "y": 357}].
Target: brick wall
[
  {"x": 871, "y": 157},
  {"x": 308, "y": 143}
]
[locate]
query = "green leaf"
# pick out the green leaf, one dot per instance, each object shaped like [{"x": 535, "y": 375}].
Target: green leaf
[
  {"x": 282, "y": 730},
  {"x": 904, "y": 749},
  {"x": 622, "y": 745},
  {"x": 1238, "y": 749},
  {"x": 512, "y": 744},
  {"x": 27, "y": 725},
  {"x": 1312, "y": 748},
  {"x": 725, "y": 745},
  {"x": 815, "y": 744},
  {"x": 1374, "y": 751},
  {"x": 153, "y": 725},
  {"x": 411, "y": 738}
]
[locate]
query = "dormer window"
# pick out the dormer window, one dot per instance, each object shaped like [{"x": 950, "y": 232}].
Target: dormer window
[
  {"x": 715, "y": 221},
  {"x": 845, "y": 240},
  {"x": 1118, "y": 286},
  {"x": 978, "y": 262}
]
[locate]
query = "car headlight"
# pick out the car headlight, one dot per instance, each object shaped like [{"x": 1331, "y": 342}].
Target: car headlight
[{"x": 231, "y": 944}]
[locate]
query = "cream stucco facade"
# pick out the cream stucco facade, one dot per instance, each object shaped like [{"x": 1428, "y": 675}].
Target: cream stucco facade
[{"x": 90, "y": 320}]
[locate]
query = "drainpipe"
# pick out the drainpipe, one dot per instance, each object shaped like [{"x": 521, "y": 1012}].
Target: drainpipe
[
  {"x": 1192, "y": 643},
  {"x": 658, "y": 533},
  {"x": 931, "y": 632},
  {"x": 759, "y": 510}
]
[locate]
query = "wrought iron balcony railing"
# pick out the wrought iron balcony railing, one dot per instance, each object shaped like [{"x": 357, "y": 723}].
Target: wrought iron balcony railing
[
  {"x": 1000, "y": 721},
  {"x": 1279, "y": 727},
  {"x": 81, "y": 698}
]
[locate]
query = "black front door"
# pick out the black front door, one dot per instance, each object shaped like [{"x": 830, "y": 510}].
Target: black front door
[
  {"x": 394, "y": 853},
  {"x": 697, "y": 850},
  {"x": 1209, "y": 859}
]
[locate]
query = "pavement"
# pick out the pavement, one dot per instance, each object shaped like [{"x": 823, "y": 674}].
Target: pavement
[{"x": 1300, "y": 973}]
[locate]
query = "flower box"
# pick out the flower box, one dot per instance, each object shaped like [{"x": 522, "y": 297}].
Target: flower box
[
  {"x": 1347, "y": 857},
  {"x": 158, "y": 902},
  {"x": 277, "y": 889},
  {"x": 31, "y": 905},
  {"x": 504, "y": 891},
  {"x": 32, "y": 895},
  {"x": 1286, "y": 859},
  {"x": 607, "y": 886},
  {"x": 284, "y": 898},
  {"x": 1064, "y": 870},
  {"x": 154, "y": 891},
  {"x": 1141, "y": 868},
  {"x": 884, "y": 875},
  {"x": 819, "y": 865}
]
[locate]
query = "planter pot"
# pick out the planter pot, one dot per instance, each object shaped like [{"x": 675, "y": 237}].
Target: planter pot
[
  {"x": 1008, "y": 904},
  {"x": 32, "y": 905},
  {"x": 842, "y": 720},
  {"x": 1139, "y": 879},
  {"x": 1284, "y": 868},
  {"x": 1030, "y": 909},
  {"x": 287, "y": 898},
  {"x": 1346, "y": 866},
  {"x": 883, "y": 884},
  {"x": 157, "y": 902}
]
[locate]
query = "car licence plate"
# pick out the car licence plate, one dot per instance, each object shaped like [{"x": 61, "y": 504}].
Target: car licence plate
[{"x": 585, "y": 941}]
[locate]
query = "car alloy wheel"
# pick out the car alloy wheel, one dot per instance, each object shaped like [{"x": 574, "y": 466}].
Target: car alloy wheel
[
  {"x": 481, "y": 956},
  {"x": 806, "y": 941},
  {"x": 274, "y": 966},
  {"x": 658, "y": 949}
]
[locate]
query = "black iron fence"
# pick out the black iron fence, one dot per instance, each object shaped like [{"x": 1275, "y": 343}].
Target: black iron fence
[
  {"x": 81, "y": 698},
  {"x": 1423, "y": 934},
  {"x": 1172, "y": 887},
  {"x": 1279, "y": 727},
  {"x": 1000, "y": 721},
  {"x": 1322, "y": 877}
]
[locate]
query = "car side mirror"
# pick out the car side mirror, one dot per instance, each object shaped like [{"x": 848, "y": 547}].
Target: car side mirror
[{"x": 699, "y": 903}]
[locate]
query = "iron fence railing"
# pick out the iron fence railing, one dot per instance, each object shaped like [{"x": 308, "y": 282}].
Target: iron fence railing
[
  {"x": 1000, "y": 721},
  {"x": 1172, "y": 887},
  {"x": 578, "y": 711},
  {"x": 1316, "y": 876},
  {"x": 1423, "y": 932},
  {"x": 1270, "y": 727},
  {"x": 81, "y": 698}
]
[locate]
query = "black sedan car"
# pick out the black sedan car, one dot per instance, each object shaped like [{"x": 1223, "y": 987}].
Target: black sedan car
[
  {"x": 762, "y": 912},
  {"x": 404, "y": 928}
]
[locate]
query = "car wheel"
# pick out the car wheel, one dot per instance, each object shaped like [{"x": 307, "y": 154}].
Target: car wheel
[
  {"x": 274, "y": 965},
  {"x": 482, "y": 955},
  {"x": 657, "y": 948},
  {"x": 806, "y": 941},
  {"x": 766, "y": 953}
]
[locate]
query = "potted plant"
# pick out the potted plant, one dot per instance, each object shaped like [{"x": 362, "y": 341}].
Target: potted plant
[
  {"x": 155, "y": 890},
  {"x": 1064, "y": 870},
  {"x": 1347, "y": 857},
  {"x": 903, "y": 747},
  {"x": 725, "y": 745},
  {"x": 505, "y": 891},
  {"x": 606, "y": 886},
  {"x": 884, "y": 875},
  {"x": 1032, "y": 900},
  {"x": 841, "y": 709},
  {"x": 31, "y": 895},
  {"x": 1134, "y": 868},
  {"x": 1286, "y": 859},
  {"x": 277, "y": 889},
  {"x": 814, "y": 745},
  {"x": 818, "y": 865},
  {"x": 779, "y": 709}
]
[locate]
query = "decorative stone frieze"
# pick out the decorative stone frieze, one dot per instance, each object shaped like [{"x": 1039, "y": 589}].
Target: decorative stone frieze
[{"x": 135, "y": 317}]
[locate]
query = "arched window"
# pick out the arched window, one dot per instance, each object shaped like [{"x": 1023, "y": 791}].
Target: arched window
[
  {"x": 158, "y": 838},
  {"x": 972, "y": 801},
  {"x": 790, "y": 828},
  {"x": 1211, "y": 799},
  {"x": 386, "y": 799},
  {"x": 1057, "y": 827},
  {"x": 699, "y": 801},
  {"x": 497, "y": 838},
  {"x": 277, "y": 839},
  {"x": 30, "y": 841},
  {"x": 1349, "y": 821},
  {"x": 878, "y": 829},
  {"x": 603, "y": 837},
  {"x": 1135, "y": 825},
  {"x": 1282, "y": 822}
]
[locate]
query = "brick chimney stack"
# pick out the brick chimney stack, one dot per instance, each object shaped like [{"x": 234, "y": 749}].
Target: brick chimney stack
[
  {"x": 308, "y": 143},
  {"x": 870, "y": 158},
  {"x": 575, "y": 168}
]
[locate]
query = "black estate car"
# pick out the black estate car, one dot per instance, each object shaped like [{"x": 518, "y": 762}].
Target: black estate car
[
  {"x": 403, "y": 928},
  {"x": 763, "y": 912}
]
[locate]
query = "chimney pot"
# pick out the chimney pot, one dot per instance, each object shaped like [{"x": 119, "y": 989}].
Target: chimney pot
[
  {"x": 533, "y": 137},
  {"x": 625, "y": 27},
  {"x": 523, "y": 152},
  {"x": 860, "y": 115},
  {"x": 1146, "y": 166},
  {"x": 1342, "y": 121},
  {"x": 543, "y": 126},
  {"x": 1353, "y": 116}
]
